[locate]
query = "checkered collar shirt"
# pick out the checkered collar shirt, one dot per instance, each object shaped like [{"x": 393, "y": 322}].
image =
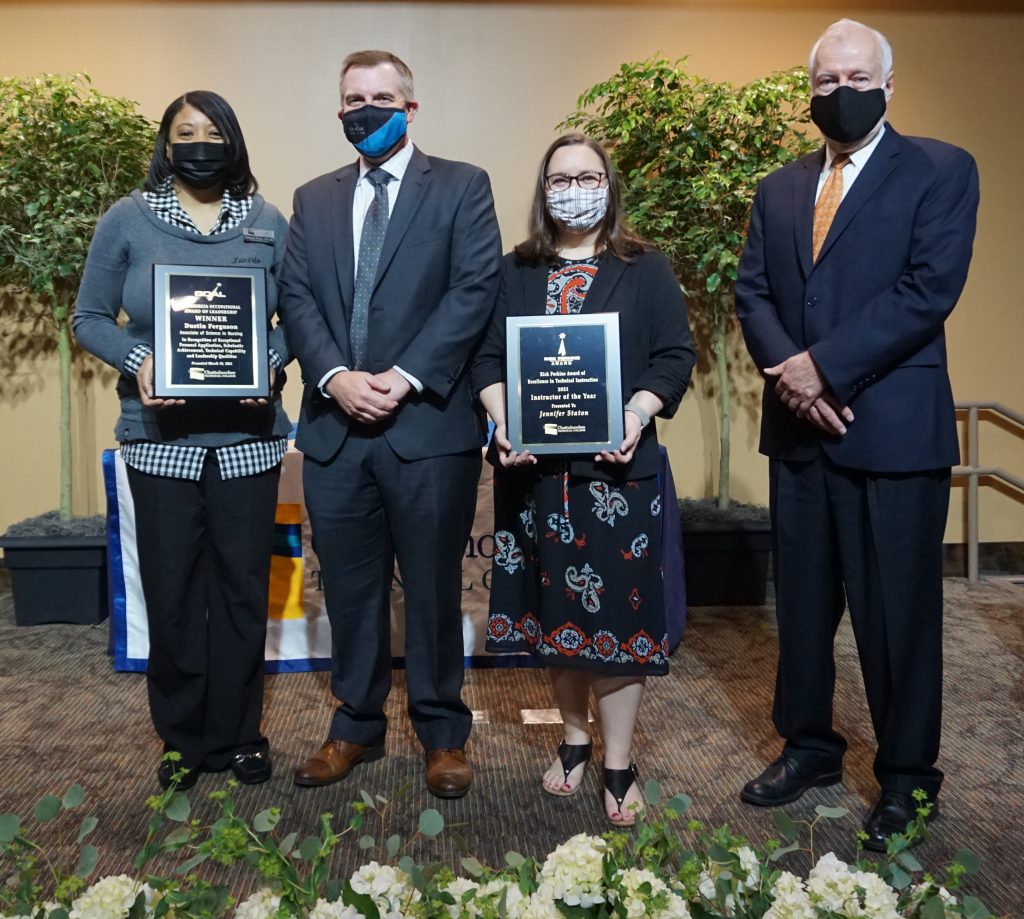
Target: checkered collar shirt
[{"x": 165, "y": 204}]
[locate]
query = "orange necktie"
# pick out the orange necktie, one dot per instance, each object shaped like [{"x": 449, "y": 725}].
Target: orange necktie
[{"x": 828, "y": 203}]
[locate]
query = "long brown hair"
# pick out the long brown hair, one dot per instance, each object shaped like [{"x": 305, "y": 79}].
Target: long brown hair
[{"x": 541, "y": 246}]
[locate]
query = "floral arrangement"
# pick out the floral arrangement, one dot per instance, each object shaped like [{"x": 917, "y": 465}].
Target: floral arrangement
[{"x": 669, "y": 867}]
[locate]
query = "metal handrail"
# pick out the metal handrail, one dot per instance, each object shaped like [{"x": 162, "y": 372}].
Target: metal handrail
[{"x": 974, "y": 471}]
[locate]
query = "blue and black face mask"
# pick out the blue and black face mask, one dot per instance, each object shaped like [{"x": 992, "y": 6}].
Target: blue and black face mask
[{"x": 374, "y": 130}]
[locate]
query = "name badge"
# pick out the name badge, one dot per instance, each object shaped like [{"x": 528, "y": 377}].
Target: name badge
[{"x": 251, "y": 235}]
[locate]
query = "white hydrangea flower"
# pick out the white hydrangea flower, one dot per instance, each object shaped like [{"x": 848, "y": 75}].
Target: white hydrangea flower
[
  {"x": 491, "y": 892},
  {"x": 262, "y": 904},
  {"x": 833, "y": 886},
  {"x": 457, "y": 888},
  {"x": 110, "y": 898},
  {"x": 387, "y": 886},
  {"x": 790, "y": 899},
  {"x": 574, "y": 873},
  {"x": 538, "y": 905},
  {"x": 333, "y": 910},
  {"x": 677, "y": 908},
  {"x": 750, "y": 864},
  {"x": 635, "y": 901},
  {"x": 706, "y": 886},
  {"x": 879, "y": 901}
]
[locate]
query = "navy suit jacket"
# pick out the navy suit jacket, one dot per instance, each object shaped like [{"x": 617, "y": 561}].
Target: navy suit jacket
[
  {"x": 435, "y": 289},
  {"x": 871, "y": 310}
]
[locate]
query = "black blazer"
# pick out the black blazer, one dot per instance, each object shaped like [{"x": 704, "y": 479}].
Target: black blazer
[
  {"x": 436, "y": 283},
  {"x": 871, "y": 309},
  {"x": 655, "y": 346}
]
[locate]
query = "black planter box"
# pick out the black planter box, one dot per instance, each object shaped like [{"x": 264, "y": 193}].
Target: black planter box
[
  {"x": 726, "y": 564},
  {"x": 57, "y": 578}
]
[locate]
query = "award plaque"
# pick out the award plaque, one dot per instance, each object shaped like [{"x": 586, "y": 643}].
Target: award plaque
[
  {"x": 564, "y": 383},
  {"x": 210, "y": 332}
]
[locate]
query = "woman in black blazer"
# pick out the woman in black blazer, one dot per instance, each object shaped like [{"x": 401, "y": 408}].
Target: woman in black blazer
[{"x": 577, "y": 574}]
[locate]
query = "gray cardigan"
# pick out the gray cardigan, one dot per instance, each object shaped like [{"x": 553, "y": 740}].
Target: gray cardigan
[{"x": 128, "y": 241}]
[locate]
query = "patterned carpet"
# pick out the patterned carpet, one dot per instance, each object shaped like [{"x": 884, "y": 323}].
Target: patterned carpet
[{"x": 66, "y": 717}]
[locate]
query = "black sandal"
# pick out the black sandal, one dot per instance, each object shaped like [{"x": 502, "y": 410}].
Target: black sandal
[
  {"x": 570, "y": 756},
  {"x": 617, "y": 783}
]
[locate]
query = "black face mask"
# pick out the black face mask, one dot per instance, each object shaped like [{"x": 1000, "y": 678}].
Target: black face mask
[
  {"x": 846, "y": 114},
  {"x": 200, "y": 164}
]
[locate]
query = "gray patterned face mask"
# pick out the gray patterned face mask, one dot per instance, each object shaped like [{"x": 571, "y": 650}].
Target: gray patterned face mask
[{"x": 578, "y": 208}]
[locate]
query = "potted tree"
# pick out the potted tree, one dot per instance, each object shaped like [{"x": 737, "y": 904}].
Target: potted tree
[
  {"x": 690, "y": 153},
  {"x": 67, "y": 152}
]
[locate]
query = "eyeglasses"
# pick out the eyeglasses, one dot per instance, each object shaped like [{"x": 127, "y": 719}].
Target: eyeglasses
[{"x": 559, "y": 181}]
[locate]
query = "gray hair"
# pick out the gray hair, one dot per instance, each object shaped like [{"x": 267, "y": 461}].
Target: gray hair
[{"x": 837, "y": 29}]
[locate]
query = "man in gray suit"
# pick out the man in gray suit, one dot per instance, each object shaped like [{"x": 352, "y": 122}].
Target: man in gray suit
[{"x": 389, "y": 279}]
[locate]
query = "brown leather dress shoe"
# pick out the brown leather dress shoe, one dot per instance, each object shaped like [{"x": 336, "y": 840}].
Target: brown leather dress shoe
[
  {"x": 449, "y": 775},
  {"x": 334, "y": 761}
]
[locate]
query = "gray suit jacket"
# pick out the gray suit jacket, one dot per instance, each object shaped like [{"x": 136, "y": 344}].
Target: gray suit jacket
[{"x": 435, "y": 289}]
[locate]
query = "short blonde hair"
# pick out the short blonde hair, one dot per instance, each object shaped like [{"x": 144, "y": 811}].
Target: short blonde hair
[{"x": 375, "y": 58}]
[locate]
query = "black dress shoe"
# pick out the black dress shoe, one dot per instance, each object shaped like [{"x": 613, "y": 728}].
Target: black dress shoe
[
  {"x": 251, "y": 768},
  {"x": 890, "y": 815},
  {"x": 167, "y": 769},
  {"x": 785, "y": 780}
]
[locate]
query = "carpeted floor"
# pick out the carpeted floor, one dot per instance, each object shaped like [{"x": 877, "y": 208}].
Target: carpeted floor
[{"x": 66, "y": 717}]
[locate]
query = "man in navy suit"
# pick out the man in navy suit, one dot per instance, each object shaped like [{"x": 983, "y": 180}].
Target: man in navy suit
[
  {"x": 856, "y": 256},
  {"x": 389, "y": 279}
]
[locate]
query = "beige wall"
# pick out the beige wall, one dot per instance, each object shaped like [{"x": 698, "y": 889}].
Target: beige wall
[{"x": 493, "y": 80}]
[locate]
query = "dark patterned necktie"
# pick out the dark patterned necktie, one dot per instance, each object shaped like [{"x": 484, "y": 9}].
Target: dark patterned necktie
[{"x": 370, "y": 242}]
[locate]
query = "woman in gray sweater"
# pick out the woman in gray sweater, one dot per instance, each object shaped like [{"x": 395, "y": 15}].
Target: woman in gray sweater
[{"x": 203, "y": 473}]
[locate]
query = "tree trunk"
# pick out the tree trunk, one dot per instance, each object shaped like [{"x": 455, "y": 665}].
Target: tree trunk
[
  {"x": 724, "y": 405},
  {"x": 64, "y": 350}
]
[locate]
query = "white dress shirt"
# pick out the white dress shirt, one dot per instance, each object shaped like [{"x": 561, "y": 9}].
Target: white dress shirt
[
  {"x": 361, "y": 201},
  {"x": 852, "y": 168}
]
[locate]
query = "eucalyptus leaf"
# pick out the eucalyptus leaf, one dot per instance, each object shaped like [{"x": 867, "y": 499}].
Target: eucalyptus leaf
[
  {"x": 178, "y": 808},
  {"x": 784, "y": 824},
  {"x": 514, "y": 859},
  {"x": 393, "y": 844},
  {"x": 10, "y": 826},
  {"x": 309, "y": 849},
  {"x": 431, "y": 822},
  {"x": 406, "y": 863},
  {"x": 909, "y": 861},
  {"x": 87, "y": 859},
  {"x": 975, "y": 909},
  {"x": 652, "y": 792},
  {"x": 933, "y": 909},
  {"x": 472, "y": 867},
  {"x": 73, "y": 797},
  {"x": 967, "y": 860},
  {"x": 831, "y": 813},
  {"x": 47, "y": 808},
  {"x": 367, "y": 842},
  {"x": 88, "y": 825},
  {"x": 194, "y": 862},
  {"x": 288, "y": 843},
  {"x": 679, "y": 803},
  {"x": 266, "y": 820}
]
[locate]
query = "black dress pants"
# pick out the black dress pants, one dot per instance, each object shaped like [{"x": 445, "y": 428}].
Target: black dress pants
[
  {"x": 369, "y": 507},
  {"x": 204, "y": 559},
  {"x": 872, "y": 541}
]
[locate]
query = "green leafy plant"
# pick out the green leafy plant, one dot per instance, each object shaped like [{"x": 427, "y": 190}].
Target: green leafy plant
[
  {"x": 690, "y": 153},
  {"x": 67, "y": 152},
  {"x": 669, "y": 867}
]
